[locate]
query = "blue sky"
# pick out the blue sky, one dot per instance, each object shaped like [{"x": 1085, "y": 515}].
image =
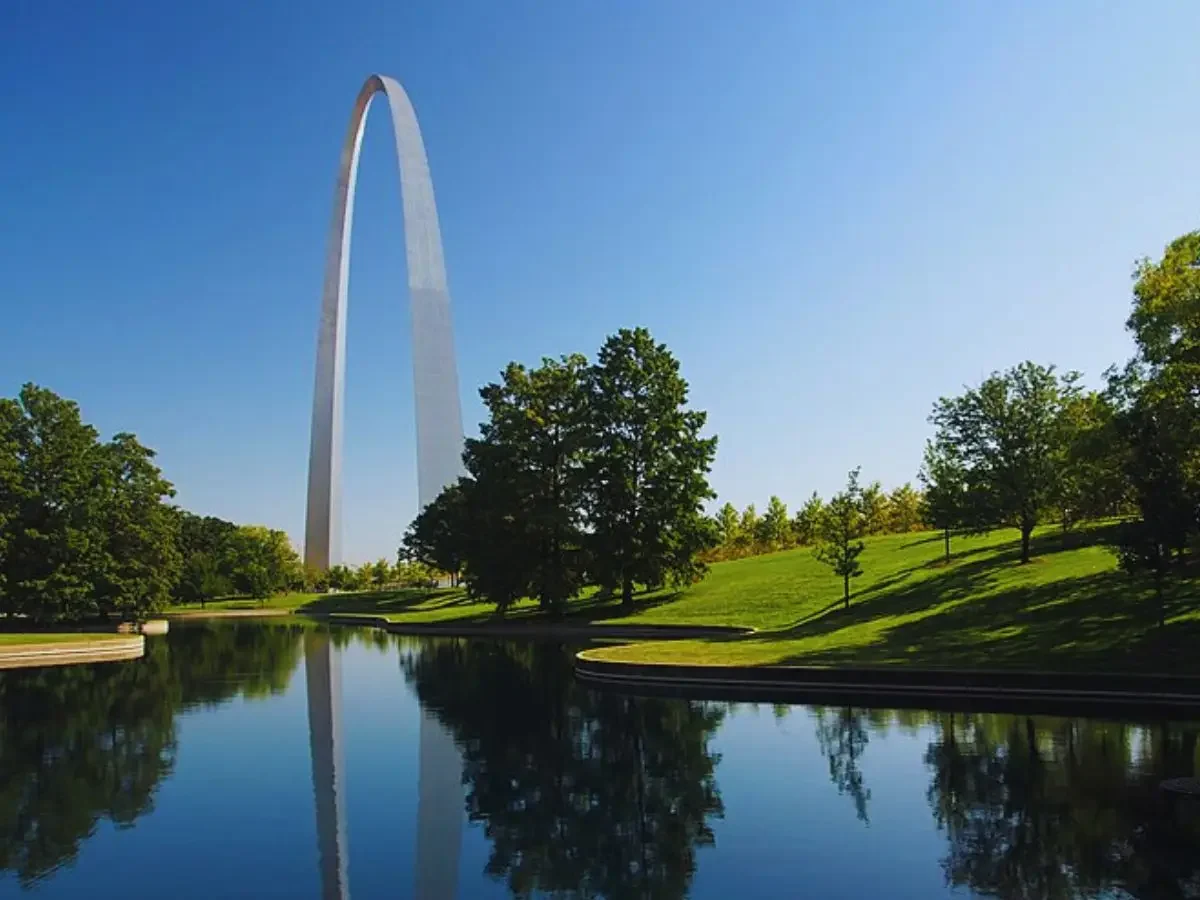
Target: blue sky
[{"x": 833, "y": 213}]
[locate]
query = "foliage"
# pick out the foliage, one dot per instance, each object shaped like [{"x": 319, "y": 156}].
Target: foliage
[
  {"x": 581, "y": 473},
  {"x": 84, "y": 527},
  {"x": 839, "y": 535},
  {"x": 807, "y": 523},
  {"x": 1008, "y": 437},
  {"x": 775, "y": 531},
  {"x": 579, "y": 792},
  {"x": 82, "y": 744},
  {"x": 905, "y": 510},
  {"x": 647, "y": 468}
]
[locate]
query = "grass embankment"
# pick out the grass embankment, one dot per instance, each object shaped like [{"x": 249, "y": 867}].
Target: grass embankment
[
  {"x": 1068, "y": 609},
  {"x": 9, "y": 639}
]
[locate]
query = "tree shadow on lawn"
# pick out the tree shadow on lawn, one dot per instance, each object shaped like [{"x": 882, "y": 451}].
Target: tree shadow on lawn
[
  {"x": 417, "y": 601},
  {"x": 1097, "y": 622},
  {"x": 388, "y": 602}
]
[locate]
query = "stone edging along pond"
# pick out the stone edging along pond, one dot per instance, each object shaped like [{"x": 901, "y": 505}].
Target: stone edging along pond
[
  {"x": 894, "y": 684},
  {"x": 60, "y": 653}
]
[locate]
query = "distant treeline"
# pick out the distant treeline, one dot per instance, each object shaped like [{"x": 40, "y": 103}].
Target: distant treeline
[{"x": 750, "y": 533}]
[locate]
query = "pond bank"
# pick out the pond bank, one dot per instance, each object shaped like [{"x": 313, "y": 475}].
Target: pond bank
[
  {"x": 61, "y": 650},
  {"x": 893, "y": 684},
  {"x": 564, "y": 631}
]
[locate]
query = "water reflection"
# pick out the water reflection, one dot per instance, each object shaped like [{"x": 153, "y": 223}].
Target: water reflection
[
  {"x": 79, "y": 744},
  {"x": 439, "y": 803},
  {"x": 579, "y": 793},
  {"x": 1043, "y": 807},
  {"x": 323, "y": 687},
  {"x": 568, "y": 791}
]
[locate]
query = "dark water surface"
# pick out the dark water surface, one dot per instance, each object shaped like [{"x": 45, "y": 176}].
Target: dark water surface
[{"x": 249, "y": 760}]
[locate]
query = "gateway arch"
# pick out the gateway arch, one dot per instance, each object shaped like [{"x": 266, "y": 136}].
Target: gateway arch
[
  {"x": 435, "y": 373},
  {"x": 439, "y": 463}
]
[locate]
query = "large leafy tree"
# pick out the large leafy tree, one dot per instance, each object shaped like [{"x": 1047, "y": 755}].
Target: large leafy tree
[
  {"x": 141, "y": 532},
  {"x": 528, "y": 469},
  {"x": 842, "y": 526},
  {"x": 1158, "y": 418},
  {"x": 262, "y": 561},
  {"x": 439, "y": 535},
  {"x": 56, "y": 475},
  {"x": 1007, "y": 433},
  {"x": 647, "y": 468}
]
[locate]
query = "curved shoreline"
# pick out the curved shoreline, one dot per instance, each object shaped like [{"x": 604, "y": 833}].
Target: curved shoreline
[
  {"x": 61, "y": 653},
  {"x": 554, "y": 630},
  {"x": 895, "y": 685}
]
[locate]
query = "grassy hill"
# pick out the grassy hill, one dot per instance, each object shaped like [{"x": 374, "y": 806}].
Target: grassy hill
[{"x": 1070, "y": 608}]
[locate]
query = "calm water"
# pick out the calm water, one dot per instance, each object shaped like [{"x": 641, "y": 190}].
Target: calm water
[{"x": 274, "y": 761}]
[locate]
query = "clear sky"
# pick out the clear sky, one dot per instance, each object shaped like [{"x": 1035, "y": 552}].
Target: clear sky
[{"x": 833, "y": 213}]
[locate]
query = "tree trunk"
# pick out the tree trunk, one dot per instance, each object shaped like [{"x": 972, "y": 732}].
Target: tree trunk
[
  {"x": 846, "y": 590},
  {"x": 626, "y": 589},
  {"x": 1026, "y": 531},
  {"x": 1162, "y": 597},
  {"x": 946, "y": 534}
]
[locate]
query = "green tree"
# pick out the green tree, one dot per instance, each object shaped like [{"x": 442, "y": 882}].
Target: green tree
[
  {"x": 807, "y": 524},
  {"x": 201, "y": 579},
  {"x": 776, "y": 529},
  {"x": 55, "y": 542},
  {"x": 141, "y": 559},
  {"x": 647, "y": 468},
  {"x": 905, "y": 509},
  {"x": 749, "y": 529},
  {"x": 1006, "y": 433},
  {"x": 874, "y": 509},
  {"x": 262, "y": 561},
  {"x": 728, "y": 525},
  {"x": 1158, "y": 401},
  {"x": 947, "y": 501},
  {"x": 839, "y": 535},
  {"x": 439, "y": 536}
]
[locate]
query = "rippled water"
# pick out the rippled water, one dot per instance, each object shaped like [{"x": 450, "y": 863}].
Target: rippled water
[{"x": 249, "y": 760}]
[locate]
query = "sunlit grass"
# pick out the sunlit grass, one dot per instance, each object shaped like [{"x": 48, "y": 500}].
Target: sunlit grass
[{"x": 53, "y": 637}]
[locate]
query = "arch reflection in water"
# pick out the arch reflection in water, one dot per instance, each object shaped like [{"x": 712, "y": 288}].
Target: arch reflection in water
[{"x": 439, "y": 791}]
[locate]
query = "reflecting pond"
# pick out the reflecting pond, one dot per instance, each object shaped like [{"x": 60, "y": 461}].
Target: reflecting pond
[{"x": 251, "y": 760}]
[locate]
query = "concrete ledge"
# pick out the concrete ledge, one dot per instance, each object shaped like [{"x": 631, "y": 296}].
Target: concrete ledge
[
  {"x": 538, "y": 629},
  {"x": 896, "y": 686},
  {"x": 17, "y": 656}
]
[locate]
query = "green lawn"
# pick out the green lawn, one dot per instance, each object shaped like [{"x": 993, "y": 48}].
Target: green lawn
[
  {"x": 278, "y": 601},
  {"x": 1070, "y": 608},
  {"x": 50, "y": 637}
]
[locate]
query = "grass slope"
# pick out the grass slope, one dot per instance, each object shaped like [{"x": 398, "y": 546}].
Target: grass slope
[
  {"x": 1070, "y": 608},
  {"x": 8, "y": 639}
]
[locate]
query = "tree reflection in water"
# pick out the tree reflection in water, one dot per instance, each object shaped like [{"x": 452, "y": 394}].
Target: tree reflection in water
[
  {"x": 1043, "y": 807},
  {"x": 83, "y": 743},
  {"x": 581, "y": 793}
]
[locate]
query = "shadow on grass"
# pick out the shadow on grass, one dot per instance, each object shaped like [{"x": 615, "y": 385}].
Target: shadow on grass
[
  {"x": 418, "y": 601},
  {"x": 1093, "y": 622},
  {"x": 387, "y": 602}
]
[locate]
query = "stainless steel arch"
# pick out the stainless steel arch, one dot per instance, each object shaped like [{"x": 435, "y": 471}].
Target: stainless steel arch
[{"x": 435, "y": 373}]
